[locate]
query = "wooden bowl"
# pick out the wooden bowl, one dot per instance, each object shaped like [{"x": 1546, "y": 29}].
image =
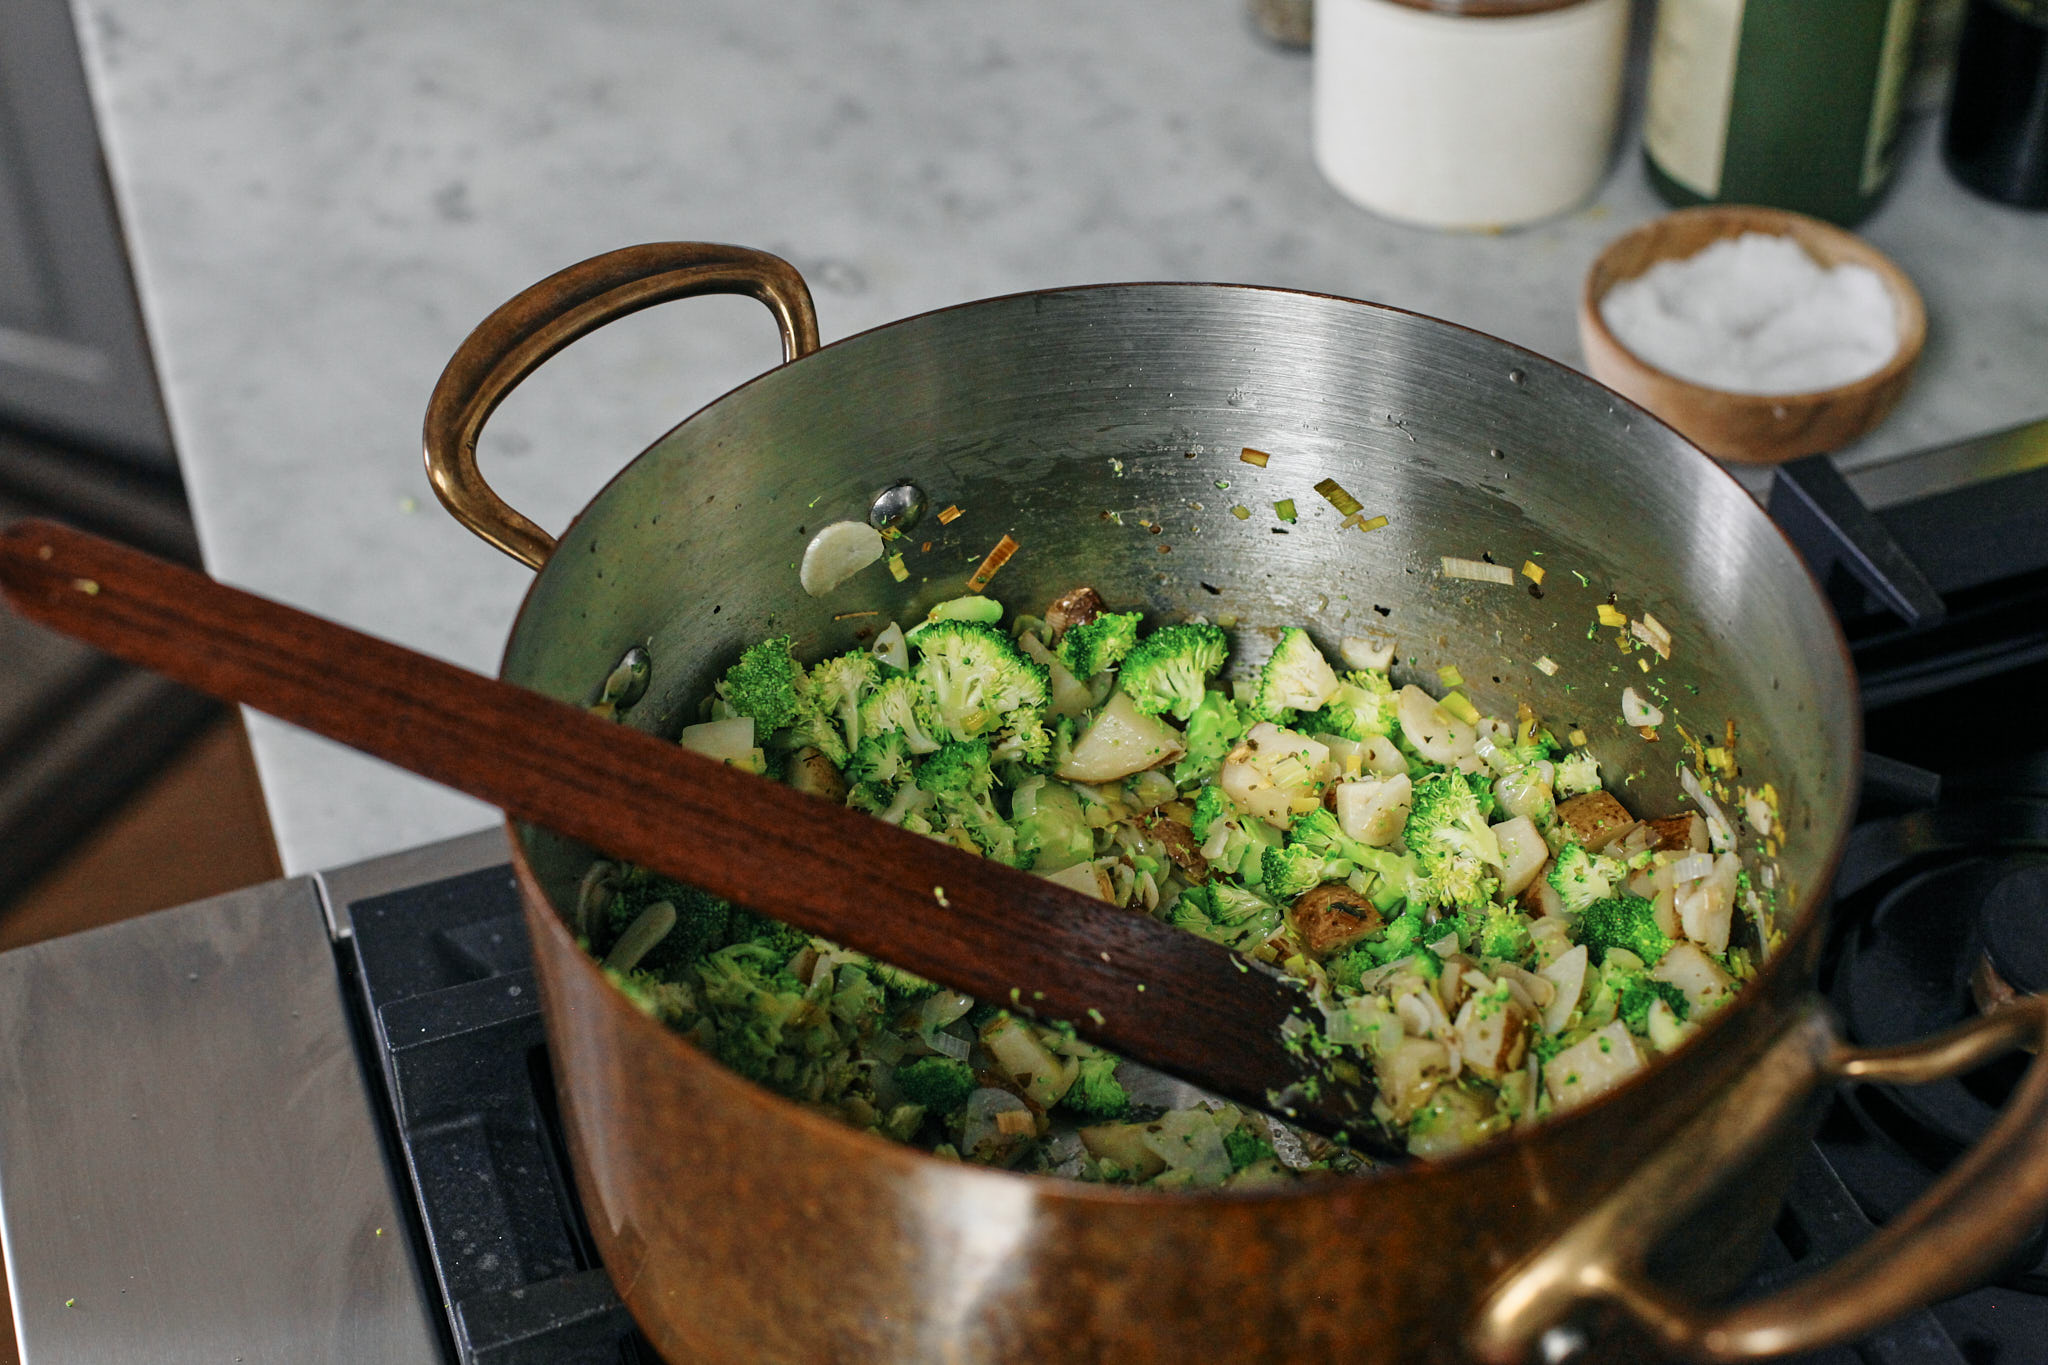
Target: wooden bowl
[{"x": 1743, "y": 427}]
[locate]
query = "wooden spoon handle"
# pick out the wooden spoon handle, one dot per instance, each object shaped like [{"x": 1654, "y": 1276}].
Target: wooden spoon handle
[{"x": 1135, "y": 985}]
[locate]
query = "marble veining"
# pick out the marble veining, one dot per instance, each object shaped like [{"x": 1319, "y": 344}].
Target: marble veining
[{"x": 322, "y": 199}]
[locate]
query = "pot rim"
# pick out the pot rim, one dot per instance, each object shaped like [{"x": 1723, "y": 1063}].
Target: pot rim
[{"x": 771, "y": 1106}]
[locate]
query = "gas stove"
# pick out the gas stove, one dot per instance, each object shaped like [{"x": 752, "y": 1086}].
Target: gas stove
[{"x": 312, "y": 1121}]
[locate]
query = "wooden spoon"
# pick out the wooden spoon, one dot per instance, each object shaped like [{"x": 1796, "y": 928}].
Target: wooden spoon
[{"x": 1139, "y": 987}]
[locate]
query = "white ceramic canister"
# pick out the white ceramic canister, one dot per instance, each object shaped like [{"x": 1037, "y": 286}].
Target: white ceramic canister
[{"x": 1473, "y": 114}]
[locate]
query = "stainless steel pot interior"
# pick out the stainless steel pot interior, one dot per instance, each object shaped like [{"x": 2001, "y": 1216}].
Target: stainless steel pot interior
[{"x": 1102, "y": 429}]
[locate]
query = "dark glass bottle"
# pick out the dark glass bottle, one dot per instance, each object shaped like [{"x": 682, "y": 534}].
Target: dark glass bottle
[
  {"x": 1996, "y": 142},
  {"x": 1790, "y": 103}
]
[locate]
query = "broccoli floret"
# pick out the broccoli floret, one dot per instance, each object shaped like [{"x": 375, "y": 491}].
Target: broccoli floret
[
  {"x": 961, "y": 782},
  {"x": 1639, "y": 990},
  {"x": 976, "y": 678},
  {"x": 1362, "y": 706},
  {"x": 753, "y": 1002},
  {"x": 814, "y": 728},
  {"x": 940, "y": 1084},
  {"x": 1168, "y": 670},
  {"x": 1576, "y": 775},
  {"x": 1245, "y": 1148},
  {"x": 1215, "y": 725},
  {"x": 1225, "y": 914},
  {"x": 1318, "y": 829},
  {"x": 1296, "y": 677},
  {"x": 757, "y": 930},
  {"x": 1096, "y": 1093},
  {"x": 702, "y": 920},
  {"x": 1580, "y": 878},
  {"x": 766, "y": 684},
  {"x": 1211, "y": 805},
  {"x": 1455, "y": 850},
  {"x": 960, "y": 768},
  {"x": 1498, "y": 932},
  {"x": 833, "y": 690},
  {"x": 902, "y": 704},
  {"x": 1622, "y": 921},
  {"x": 669, "y": 1001},
  {"x": 902, "y": 985},
  {"x": 1024, "y": 739},
  {"x": 1295, "y": 868},
  {"x": 878, "y": 769},
  {"x": 1402, "y": 936},
  {"x": 1098, "y": 645}
]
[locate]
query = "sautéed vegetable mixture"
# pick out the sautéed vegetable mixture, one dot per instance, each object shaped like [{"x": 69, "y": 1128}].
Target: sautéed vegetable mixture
[{"x": 1485, "y": 930}]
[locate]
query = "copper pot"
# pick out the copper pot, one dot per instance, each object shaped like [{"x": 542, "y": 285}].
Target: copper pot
[{"x": 1099, "y": 427}]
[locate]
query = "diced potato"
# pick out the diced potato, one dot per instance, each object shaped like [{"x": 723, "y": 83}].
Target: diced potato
[
  {"x": 1666, "y": 1029},
  {"x": 1523, "y": 853},
  {"x": 1020, "y": 1055},
  {"x": 1436, "y": 734},
  {"x": 1688, "y": 967},
  {"x": 1453, "y": 1120},
  {"x": 1383, "y": 757},
  {"x": 1595, "y": 819},
  {"x": 811, "y": 773},
  {"x": 1592, "y": 1066},
  {"x": 1552, "y": 936},
  {"x": 1408, "y": 1072},
  {"x": 1086, "y": 878},
  {"x": 1493, "y": 1034},
  {"x": 1540, "y": 899},
  {"x": 729, "y": 741},
  {"x": 1123, "y": 740},
  {"x": 1332, "y": 917},
  {"x": 1076, "y": 607},
  {"x": 1685, "y": 833},
  {"x": 1374, "y": 810},
  {"x": 1366, "y": 652},
  {"x": 1272, "y": 770}
]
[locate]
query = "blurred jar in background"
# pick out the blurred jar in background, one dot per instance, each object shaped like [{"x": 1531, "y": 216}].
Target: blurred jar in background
[
  {"x": 1467, "y": 113},
  {"x": 1996, "y": 141},
  {"x": 1790, "y": 103}
]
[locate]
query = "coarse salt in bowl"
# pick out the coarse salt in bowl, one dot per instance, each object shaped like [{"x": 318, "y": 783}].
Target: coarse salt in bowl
[{"x": 1760, "y": 334}]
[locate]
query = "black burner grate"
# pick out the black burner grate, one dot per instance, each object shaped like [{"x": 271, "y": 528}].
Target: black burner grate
[{"x": 447, "y": 984}]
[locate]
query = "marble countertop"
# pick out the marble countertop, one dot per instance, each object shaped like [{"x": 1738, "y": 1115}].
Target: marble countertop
[{"x": 323, "y": 199}]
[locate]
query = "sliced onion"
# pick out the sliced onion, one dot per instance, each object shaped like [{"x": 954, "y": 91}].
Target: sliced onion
[
  {"x": 1651, "y": 632},
  {"x": 1720, "y": 834},
  {"x": 950, "y": 1046},
  {"x": 1638, "y": 712},
  {"x": 890, "y": 648},
  {"x": 1692, "y": 867},
  {"x": 1477, "y": 570}
]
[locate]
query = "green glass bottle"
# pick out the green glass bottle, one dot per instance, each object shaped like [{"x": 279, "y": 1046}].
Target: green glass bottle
[{"x": 1790, "y": 103}]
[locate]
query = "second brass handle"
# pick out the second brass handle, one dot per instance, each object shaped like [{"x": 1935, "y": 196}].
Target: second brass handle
[
  {"x": 520, "y": 335},
  {"x": 1954, "y": 1233}
]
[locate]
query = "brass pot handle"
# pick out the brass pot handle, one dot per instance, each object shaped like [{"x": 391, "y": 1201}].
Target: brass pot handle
[
  {"x": 1956, "y": 1232},
  {"x": 522, "y": 333}
]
